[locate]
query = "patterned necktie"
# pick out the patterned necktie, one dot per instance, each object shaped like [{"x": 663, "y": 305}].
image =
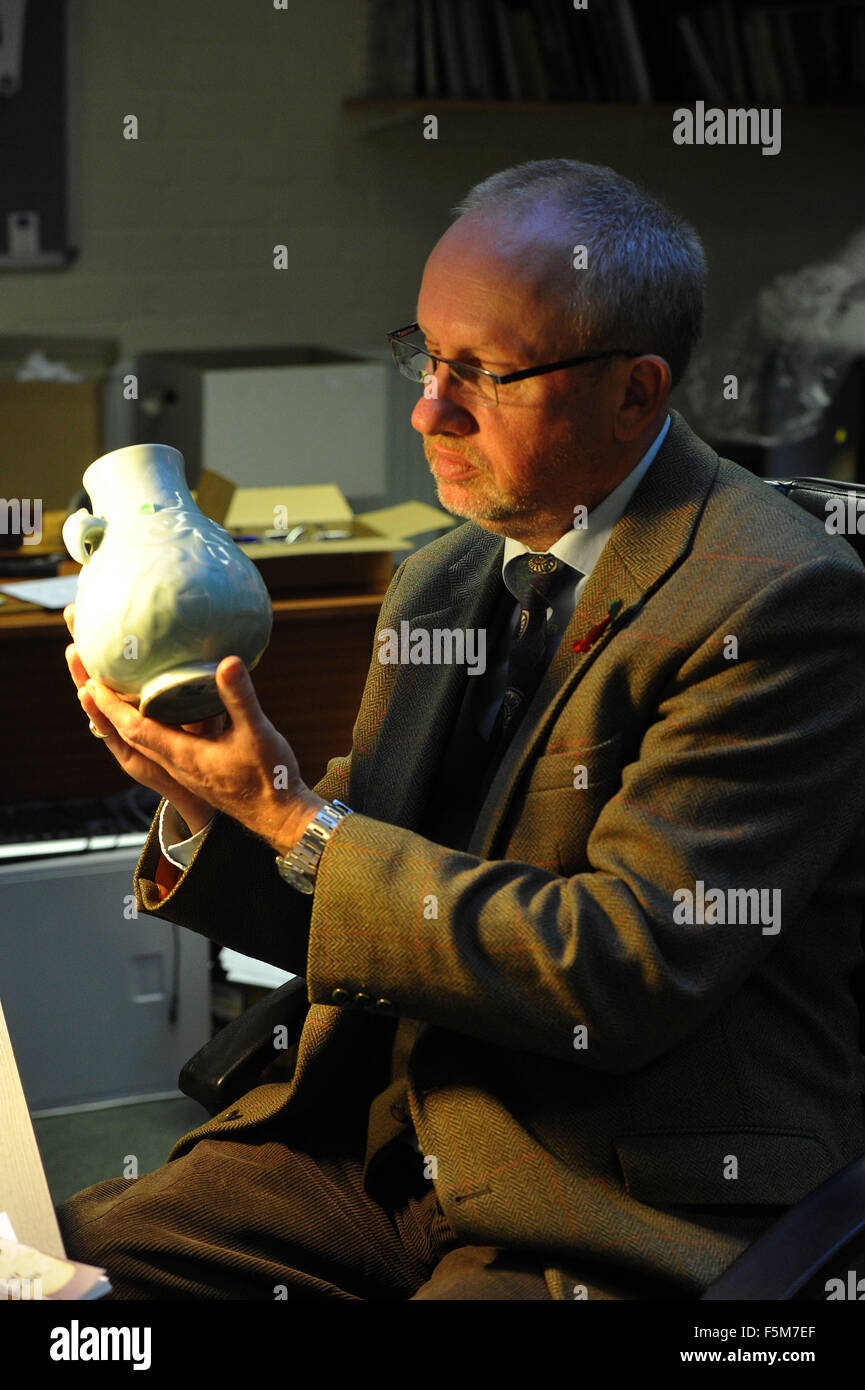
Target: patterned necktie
[{"x": 533, "y": 580}]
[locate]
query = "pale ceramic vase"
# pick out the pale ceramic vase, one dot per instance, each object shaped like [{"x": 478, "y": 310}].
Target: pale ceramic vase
[{"x": 164, "y": 594}]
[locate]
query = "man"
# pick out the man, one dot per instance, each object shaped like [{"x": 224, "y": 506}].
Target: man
[{"x": 579, "y": 937}]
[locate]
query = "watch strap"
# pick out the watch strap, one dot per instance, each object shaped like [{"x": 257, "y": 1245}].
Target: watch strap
[{"x": 300, "y": 865}]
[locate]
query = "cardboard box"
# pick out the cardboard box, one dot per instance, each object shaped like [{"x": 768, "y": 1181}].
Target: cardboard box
[
  {"x": 358, "y": 552},
  {"x": 264, "y": 416},
  {"x": 50, "y": 431}
]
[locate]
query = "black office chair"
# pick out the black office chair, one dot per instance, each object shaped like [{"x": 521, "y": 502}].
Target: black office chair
[{"x": 821, "y": 1237}]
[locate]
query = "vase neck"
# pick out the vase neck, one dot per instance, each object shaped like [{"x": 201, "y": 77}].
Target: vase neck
[{"x": 142, "y": 475}]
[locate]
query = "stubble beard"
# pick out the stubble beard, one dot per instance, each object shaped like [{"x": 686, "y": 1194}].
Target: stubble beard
[
  {"x": 473, "y": 501},
  {"x": 520, "y": 512}
]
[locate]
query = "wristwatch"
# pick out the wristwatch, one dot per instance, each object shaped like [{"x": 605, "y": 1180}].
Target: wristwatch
[{"x": 300, "y": 866}]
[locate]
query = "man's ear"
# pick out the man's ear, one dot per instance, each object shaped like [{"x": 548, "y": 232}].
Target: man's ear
[{"x": 644, "y": 388}]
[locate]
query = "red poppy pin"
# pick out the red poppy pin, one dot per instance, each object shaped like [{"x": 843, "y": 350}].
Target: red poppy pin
[{"x": 594, "y": 633}]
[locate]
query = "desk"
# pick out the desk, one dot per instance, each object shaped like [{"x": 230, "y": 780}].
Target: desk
[
  {"x": 24, "y": 1190},
  {"x": 309, "y": 683}
]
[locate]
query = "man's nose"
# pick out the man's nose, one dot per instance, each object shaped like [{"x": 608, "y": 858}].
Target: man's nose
[{"x": 436, "y": 412}]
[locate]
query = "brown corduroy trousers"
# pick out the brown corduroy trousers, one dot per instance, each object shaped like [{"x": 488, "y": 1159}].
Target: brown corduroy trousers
[{"x": 266, "y": 1217}]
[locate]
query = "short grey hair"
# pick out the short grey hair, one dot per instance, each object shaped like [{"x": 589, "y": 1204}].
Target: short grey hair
[{"x": 644, "y": 284}]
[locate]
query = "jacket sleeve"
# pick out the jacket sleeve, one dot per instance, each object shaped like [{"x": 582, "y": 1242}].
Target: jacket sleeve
[{"x": 749, "y": 775}]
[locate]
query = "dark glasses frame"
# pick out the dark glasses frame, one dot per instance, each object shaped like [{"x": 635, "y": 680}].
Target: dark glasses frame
[{"x": 502, "y": 380}]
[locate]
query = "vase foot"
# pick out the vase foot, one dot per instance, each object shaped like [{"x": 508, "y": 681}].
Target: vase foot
[{"x": 182, "y": 696}]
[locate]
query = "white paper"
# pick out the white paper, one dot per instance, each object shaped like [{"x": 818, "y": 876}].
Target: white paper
[
  {"x": 48, "y": 593},
  {"x": 243, "y": 970}
]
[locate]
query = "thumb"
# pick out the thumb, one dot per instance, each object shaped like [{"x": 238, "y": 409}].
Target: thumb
[{"x": 235, "y": 688}]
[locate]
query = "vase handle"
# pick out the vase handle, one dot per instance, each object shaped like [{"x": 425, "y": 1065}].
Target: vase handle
[{"x": 82, "y": 534}]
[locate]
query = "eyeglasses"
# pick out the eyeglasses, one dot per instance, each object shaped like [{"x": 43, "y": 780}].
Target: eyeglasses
[{"x": 419, "y": 365}]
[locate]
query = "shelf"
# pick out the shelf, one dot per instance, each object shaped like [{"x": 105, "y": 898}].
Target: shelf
[
  {"x": 431, "y": 104},
  {"x": 487, "y": 104}
]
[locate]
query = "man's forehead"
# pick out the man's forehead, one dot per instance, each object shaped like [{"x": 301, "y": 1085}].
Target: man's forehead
[
  {"x": 475, "y": 309},
  {"x": 472, "y": 312}
]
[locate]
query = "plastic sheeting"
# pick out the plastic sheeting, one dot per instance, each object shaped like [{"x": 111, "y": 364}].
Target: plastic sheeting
[{"x": 790, "y": 353}]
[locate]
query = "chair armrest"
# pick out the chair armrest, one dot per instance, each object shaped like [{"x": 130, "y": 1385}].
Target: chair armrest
[
  {"x": 229, "y": 1065},
  {"x": 806, "y": 1241},
  {"x": 814, "y": 494}
]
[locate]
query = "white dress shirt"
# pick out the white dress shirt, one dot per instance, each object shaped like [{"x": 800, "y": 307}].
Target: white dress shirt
[{"x": 579, "y": 548}]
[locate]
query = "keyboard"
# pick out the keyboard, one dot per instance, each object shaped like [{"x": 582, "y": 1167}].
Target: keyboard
[{"x": 77, "y": 825}]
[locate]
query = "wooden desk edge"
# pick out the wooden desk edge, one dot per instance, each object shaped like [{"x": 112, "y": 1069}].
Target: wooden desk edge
[{"x": 24, "y": 618}]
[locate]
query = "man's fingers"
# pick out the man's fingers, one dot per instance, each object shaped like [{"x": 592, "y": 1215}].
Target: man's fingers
[
  {"x": 69, "y": 617},
  {"x": 94, "y": 714},
  {"x": 76, "y": 667},
  {"x": 158, "y": 743}
]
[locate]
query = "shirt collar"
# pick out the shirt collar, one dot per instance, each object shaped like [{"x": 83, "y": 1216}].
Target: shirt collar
[{"x": 581, "y": 546}]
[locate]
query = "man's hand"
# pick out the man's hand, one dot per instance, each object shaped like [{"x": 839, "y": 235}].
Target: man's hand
[
  {"x": 195, "y": 811},
  {"x": 247, "y": 770}
]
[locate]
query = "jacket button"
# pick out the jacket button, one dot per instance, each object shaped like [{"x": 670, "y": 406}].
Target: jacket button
[
  {"x": 362, "y": 999},
  {"x": 341, "y": 996},
  {"x": 400, "y": 1114},
  {"x": 383, "y": 1006},
  {"x": 232, "y": 1115}
]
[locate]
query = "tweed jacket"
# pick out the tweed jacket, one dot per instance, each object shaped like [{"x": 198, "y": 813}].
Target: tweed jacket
[{"x": 625, "y": 1086}]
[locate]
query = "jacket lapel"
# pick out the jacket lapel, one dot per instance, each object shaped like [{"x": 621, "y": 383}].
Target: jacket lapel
[
  {"x": 650, "y": 539},
  {"x": 425, "y": 700}
]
